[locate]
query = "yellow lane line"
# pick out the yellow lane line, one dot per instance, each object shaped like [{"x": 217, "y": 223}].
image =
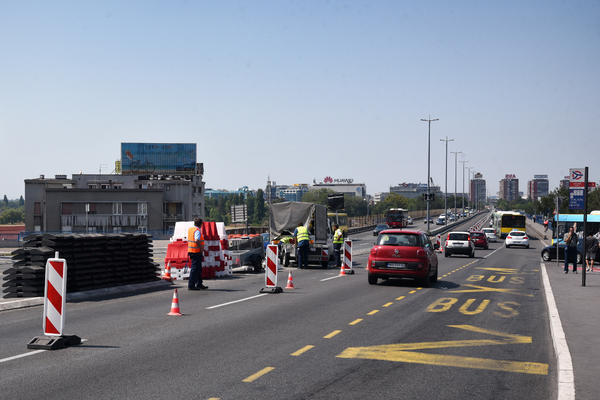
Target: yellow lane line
[
  {"x": 419, "y": 288},
  {"x": 387, "y": 304},
  {"x": 373, "y": 312},
  {"x": 332, "y": 334},
  {"x": 302, "y": 350},
  {"x": 356, "y": 321},
  {"x": 257, "y": 375},
  {"x": 412, "y": 291},
  {"x": 400, "y": 298}
]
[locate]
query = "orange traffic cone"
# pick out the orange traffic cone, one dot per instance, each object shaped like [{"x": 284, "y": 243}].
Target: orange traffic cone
[
  {"x": 167, "y": 275},
  {"x": 175, "y": 305},
  {"x": 342, "y": 270},
  {"x": 290, "y": 282}
]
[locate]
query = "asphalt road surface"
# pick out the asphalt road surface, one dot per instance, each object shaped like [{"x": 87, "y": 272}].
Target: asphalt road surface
[{"x": 480, "y": 333}]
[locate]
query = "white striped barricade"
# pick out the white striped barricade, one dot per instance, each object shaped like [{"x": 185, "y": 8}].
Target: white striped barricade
[
  {"x": 271, "y": 271},
  {"x": 55, "y": 294},
  {"x": 347, "y": 263}
]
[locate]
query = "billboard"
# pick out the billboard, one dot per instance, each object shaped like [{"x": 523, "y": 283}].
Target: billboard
[{"x": 158, "y": 158}]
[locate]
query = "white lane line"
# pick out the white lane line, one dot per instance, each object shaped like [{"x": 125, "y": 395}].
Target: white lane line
[
  {"x": 331, "y": 277},
  {"x": 486, "y": 256},
  {"x": 566, "y": 378},
  {"x": 237, "y": 301},
  {"x": 30, "y": 353}
]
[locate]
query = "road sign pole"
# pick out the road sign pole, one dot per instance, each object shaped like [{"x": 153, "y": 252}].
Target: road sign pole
[{"x": 585, "y": 211}]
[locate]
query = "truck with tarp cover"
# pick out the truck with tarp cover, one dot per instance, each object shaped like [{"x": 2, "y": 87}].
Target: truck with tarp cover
[{"x": 285, "y": 218}]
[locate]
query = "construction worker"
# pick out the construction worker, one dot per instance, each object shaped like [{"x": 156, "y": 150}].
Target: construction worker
[
  {"x": 338, "y": 241},
  {"x": 302, "y": 245},
  {"x": 195, "y": 249}
]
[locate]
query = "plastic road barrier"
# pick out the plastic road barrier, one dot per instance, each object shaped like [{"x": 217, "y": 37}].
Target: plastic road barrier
[
  {"x": 347, "y": 264},
  {"x": 271, "y": 271}
]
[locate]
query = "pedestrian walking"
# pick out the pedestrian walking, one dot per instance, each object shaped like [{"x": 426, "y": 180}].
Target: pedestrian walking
[
  {"x": 195, "y": 249},
  {"x": 570, "y": 239},
  {"x": 591, "y": 248},
  {"x": 338, "y": 241},
  {"x": 302, "y": 245}
]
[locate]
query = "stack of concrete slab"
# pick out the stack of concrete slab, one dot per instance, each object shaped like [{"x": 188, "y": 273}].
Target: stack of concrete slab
[{"x": 94, "y": 261}]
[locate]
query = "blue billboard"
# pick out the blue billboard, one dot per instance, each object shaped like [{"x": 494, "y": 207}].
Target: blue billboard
[{"x": 158, "y": 158}]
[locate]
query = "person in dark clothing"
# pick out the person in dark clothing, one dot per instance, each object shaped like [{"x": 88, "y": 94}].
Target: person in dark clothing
[
  {"x": 591, "y": 248},
  {"x": 571, "y": 250}
]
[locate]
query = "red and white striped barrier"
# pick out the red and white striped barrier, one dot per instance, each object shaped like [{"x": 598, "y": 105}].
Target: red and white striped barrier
[
  {"x": 55, "y": 294},
  {"x": 347, "y": 263},
  {"x": 271, "y": 271}
]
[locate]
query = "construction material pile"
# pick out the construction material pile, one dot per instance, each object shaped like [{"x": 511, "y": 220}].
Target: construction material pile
[{"x": 94, "y": 261}]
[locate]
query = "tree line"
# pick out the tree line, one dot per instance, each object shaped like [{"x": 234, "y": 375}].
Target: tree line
[
  {"x": 219, "y": 209},
  {"x": 12, "y": 211}
]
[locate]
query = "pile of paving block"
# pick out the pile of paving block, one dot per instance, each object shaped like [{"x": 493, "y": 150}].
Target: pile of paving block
[{"x": 94, "y": 261}]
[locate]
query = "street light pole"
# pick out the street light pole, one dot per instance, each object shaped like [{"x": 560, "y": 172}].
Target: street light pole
[
  {"x": 469, "y": 181},
  {"x": 446, "y": 188},
  {"x": 429, "y": 121},
  {"x": 463, "y": 162},
  {"x": 456, "y": 153}
]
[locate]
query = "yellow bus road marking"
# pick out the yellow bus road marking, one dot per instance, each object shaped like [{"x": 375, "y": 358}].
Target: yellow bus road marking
[
  {"x": 372, "y": 312},
  {"x": 257, "y": 375},
  {"x": 500, "y": 270},
  {"x": 302, "y": 350},
  {"x": 419, "y": 288},
  {"x": 398, "y": 353},
  {"x": 400, "y": 298},
  {"x": 332, "y": 334},
  {"x": 412, "y": 291},
  {"x": 356, "y": 321},
  {"x": 387, "y": 304},
  {"x": 214, "y": 398},
  {"x": 481, "y": 289}
]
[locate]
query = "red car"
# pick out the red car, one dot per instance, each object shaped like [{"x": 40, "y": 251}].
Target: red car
[
  {"x": 403, "y": 254},
  {"x": 479, "y": 239}
]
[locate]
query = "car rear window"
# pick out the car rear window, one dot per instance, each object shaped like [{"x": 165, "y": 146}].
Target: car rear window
[
  {"x": 488, "y": 230},
  {"x": 517, "y": 233},
  {"x": 459, "y": 236},
  {"x": 398, "y": 239},
  {"x": 477, "y": 234}
]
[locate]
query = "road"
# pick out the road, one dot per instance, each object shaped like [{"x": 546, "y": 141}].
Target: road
[{"x": 480, "y": 333}]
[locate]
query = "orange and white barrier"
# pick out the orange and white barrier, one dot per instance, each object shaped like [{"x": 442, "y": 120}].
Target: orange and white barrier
[
  {"x": 55, "y": 293},
  {"x": 271, "y": 270},
  {"x": 347, "y": 262}
]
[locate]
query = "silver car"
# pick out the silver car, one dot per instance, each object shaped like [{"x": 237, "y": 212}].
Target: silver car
[{"x": 490, "y": 234}]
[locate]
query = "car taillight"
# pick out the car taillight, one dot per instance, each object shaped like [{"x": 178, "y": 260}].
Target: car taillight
[
  {"x": 469, "y": 238},
  {"x": 421, "y": 253},
  {"x": 509, "y": 237},
  {"x": 448, "y": 238},
  {"x": 525, "y": 237}
]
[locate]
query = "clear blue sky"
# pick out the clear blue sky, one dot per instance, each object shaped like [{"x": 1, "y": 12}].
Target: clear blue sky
[{"x": 302, "y": 89}]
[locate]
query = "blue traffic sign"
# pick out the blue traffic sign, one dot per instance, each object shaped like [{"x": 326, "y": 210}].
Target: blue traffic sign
[{"x": 576, "y": 200}]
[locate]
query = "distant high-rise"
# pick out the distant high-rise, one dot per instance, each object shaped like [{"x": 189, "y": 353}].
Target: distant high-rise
[
  {"x": 478, "y": 191},
  {"x": 537, "y": 187},
  {"x": 509, "y": 188}
]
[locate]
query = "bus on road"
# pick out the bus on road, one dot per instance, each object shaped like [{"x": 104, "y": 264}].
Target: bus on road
[
  {"x": 396, "y": 217},
  {"x": 560, "y": 227},
  {"x": 506, "y": 221}
]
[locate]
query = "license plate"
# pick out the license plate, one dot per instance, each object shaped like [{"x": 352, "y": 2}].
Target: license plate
[
  {"x": 458, "y": 244},
  {"x": 396, "y": 265}
]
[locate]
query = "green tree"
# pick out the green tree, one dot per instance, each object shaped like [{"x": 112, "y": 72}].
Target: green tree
[
  {"x": 260, "y": 211},
  {"x": 318, "y": 196},
  {"x": 12, "y": 216},
  {"x": 5, "y": 201},
  {"x": 21, "y": 201}
]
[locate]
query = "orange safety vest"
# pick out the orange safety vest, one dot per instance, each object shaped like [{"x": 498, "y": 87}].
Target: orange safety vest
[{"x": 192, "y": 245}]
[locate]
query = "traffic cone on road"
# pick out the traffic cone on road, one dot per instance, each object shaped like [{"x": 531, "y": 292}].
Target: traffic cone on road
[
  {"x": 290, "y": 282},
  {"x": 175, "y": 305},
  {"x": 167, "y": 275},
  {"x": 342, "y": 270}
]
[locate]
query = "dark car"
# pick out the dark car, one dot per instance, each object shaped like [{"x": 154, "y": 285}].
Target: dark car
[
  {"x": 549, "y": 252},
  {"x": 403, "y": 254},
  {"x": 479, "y": 239},
  {"x": 379, "y": 228}
]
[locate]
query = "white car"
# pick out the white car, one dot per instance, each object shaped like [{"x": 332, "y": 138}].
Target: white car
[
  {"x": 459, "y": 243},
  {"x": 517, "y": 238},
  {"x": 490, "y": 234},
  {"x": 409, "y": 220}
]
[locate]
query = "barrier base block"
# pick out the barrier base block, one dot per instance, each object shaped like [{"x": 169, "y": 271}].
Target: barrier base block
[
  {"x": 349, "y": 272},
  {"x": 53, "y": 342},
  {"x": 274, "y": 289}
]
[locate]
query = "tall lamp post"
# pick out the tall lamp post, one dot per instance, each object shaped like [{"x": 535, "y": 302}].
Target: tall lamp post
[
  {"x": 446, "y": 188},
  {"x": 463, "y": 162},
  {"x": 429, "y": 121},
  {"x": 456, "y": 153},
  {"x": 469, "y": 182}
]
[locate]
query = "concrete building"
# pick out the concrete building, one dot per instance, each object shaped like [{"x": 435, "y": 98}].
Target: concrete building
[
  {"x": 509, "y": 188},
  {"x": 478, "y": 191},
  {"x": 538, "y": 187},
  {"x": 342, "y": 185},
  {"x": 381, "y": 196},
  {"x": 414, "y": 190},
  {"x": 564, "y": 183},
  {"x": 112, "y": 203},
  {"x": 293, "y": 193},
  {"x": 156, "y": 185}
]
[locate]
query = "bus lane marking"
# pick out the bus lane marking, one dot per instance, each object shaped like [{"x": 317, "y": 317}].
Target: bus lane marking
[
  {"x": 257, "y": 375},
  {"x": 356, "y": 321},
  {"x": 332, "y": 334},
  {"x": 400, "y": 353},
  {"x": 302, "y": 350},
  {"x": 483, "y": 289}
]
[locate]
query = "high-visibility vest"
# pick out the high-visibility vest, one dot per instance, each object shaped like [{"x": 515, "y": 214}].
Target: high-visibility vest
[
  {"x": 192, "y": 245},
  {"x": 302, "y": 234},
  {"x": 338, "y": 236}
]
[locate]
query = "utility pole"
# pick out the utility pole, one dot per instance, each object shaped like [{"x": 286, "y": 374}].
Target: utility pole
[
  {"x": 446, "y": 188},
  {"x": 429, "y": 121},
  {"x": 456, "y": 153},
  {"x": 463, "y": 189},
  {"x": 469, "y": 179}
]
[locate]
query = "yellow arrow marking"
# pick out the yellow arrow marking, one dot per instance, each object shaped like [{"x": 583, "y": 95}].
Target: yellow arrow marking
[
  {"x": 399, "y": 353},
  {"x": 481, "y": 289}
]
